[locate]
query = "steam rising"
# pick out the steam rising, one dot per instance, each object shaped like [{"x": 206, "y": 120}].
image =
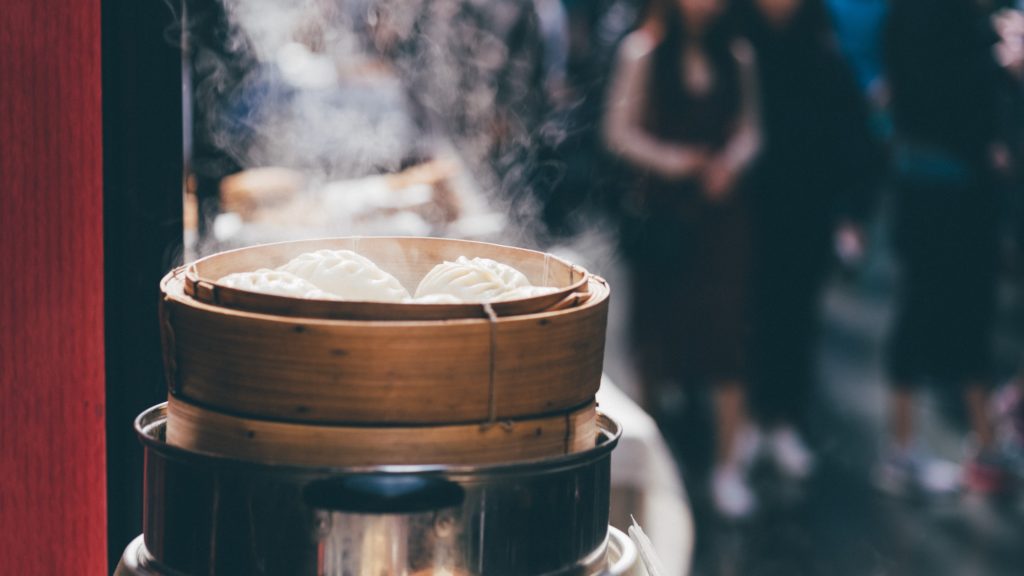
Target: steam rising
[
  {"x": 265, "y": 98},
  {"x": 340, "y": 90}
]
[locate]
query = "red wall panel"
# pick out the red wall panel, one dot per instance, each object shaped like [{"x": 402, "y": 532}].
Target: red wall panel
[{"x": 52, "y": 495}]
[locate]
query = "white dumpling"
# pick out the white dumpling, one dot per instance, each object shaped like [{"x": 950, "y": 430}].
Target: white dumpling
[
  {"x": 347, "y": 275},
  {"x": 509, "y": 276},
  {"x": 275, "y": 282},
  {"x": 476, "y": 280},
  {"x": 437, "y": 299},
  {"x": 319, "y": 294},
  {"x": 469, "y": 283},
  {"x": 527, "y": 292}
]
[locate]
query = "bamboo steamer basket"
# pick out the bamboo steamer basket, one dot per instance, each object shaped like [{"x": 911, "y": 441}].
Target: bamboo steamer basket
[
  {"x": 407, "y": 259},
  {"x": 399, "y": 372},
  {"x": 298, "y": 444}
]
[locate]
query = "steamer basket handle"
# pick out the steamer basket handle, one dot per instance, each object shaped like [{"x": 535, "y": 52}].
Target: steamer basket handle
[{"x": 383, "y": 494}]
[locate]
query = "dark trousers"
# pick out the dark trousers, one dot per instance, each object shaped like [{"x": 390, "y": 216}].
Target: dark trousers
[
  {"x": 791, "y": 254},
  {"x": 947, "y": 241}
]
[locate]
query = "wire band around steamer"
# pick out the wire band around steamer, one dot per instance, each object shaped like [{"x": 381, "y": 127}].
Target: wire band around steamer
[{"x": 492, "y": 392}]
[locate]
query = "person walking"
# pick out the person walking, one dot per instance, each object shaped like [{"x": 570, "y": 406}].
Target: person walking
[
  {"x": 944, "y": 86},
  {"x": 683, "y": 112},
  {"x": 815, "y": 179}
]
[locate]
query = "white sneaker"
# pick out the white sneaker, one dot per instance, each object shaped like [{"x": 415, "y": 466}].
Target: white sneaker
[
  {"x": 730, "y": 493},
  {"x": 791, "y": 455},
  {"x": 906, "y": 472}
]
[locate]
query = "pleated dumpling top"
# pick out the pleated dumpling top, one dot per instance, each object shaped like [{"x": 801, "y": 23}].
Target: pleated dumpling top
[
  {"x": 476, "y": 280},
  {"x": 277, "y": 282},
  {"x": 347, "y": 275}
]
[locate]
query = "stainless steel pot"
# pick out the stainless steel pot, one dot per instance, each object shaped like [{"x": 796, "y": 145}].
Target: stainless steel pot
[
  {"x": 207, "y": 514},
  {"x": 621, "y": 559}
]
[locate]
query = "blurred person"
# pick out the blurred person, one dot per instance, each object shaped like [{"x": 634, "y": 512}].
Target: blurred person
[
  {"x": 944, "y": 85},
  {"x": 814, "y": 179},
  {"x": 683, "y": 112}
]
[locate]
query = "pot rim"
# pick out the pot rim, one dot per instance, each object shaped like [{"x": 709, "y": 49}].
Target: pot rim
[{"x": 151, "y": 423}]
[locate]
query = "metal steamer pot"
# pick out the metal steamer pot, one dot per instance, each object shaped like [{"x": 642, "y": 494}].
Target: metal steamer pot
[
  {"x": 208, "y": 514},
  {"x": 622, "y": 559}
]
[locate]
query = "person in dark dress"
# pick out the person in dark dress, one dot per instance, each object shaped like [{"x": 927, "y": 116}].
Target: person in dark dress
[
  {"x": 816, "y": 175},
  {"x": 944, "y": 85},
  {"x": 683, "y": 114}
]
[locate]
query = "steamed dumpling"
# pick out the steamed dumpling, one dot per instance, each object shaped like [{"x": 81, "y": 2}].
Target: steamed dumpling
[
  {"x": 527, "y": 292},
  {"x": 437, "y": 299},
  {"x": 347, "y": 275},
  {"x": 275, "y": 282},
  {"x": 476, "y": 280},
  {"x": 508, "y": 275}
]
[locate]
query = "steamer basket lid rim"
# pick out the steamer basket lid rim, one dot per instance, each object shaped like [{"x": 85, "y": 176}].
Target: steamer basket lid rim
[{"x": 357, "y": 239}]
